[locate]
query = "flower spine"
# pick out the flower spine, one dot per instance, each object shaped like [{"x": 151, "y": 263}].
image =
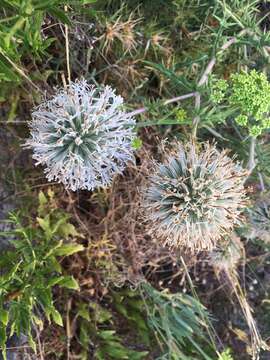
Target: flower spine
[{"x": 259, "y": 219}]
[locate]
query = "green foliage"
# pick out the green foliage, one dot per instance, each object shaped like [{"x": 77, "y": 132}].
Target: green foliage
[
  {"x": 25, "y": 40},
  {"x": 98, "y": 326},
  {"x": 20, "y": 32},
  {"x": 218, "y": 20},
  {"x": 130, "y": 304},
  {"x": 110, "y": 346},
  {"x": 226, "y": 355},
  {"x": 136, "y": 143},
  {"x": 179, "y": 322},
  {"x": 218, "y": 90},
  {"x": 30, "y": 270}
]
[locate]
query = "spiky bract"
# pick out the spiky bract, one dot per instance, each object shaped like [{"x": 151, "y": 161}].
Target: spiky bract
[
  {"x": 259, "y": 219},
  {"x": 82, "y": 136},
  {"x": 195, "y": 197}
]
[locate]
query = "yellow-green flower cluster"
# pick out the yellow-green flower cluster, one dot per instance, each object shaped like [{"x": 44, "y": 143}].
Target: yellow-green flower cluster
[
  {"x": 250, "y": 93},
  {"x": 218, "y": 91},
  {"x": 181, "y": 115},
  {"x": 242, "y": 120}
]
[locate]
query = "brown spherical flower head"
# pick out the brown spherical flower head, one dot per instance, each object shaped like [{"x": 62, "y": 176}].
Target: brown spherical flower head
[{"x": 194, "y": 198}]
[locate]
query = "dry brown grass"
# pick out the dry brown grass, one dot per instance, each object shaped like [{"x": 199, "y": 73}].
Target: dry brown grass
[{"x": 119, "y": 248}]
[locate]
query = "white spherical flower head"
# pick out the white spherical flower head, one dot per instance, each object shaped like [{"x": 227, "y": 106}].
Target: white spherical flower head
[
  {"x": 194, "y": 198},
  {"x": 82, "y": 136}
]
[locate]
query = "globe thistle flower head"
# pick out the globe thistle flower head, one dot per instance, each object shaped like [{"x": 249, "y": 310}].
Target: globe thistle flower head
[
  {"x": 259, "y": 219},
  {"x": 82, "y": 136},
  {"x": 194, "y": 198}
]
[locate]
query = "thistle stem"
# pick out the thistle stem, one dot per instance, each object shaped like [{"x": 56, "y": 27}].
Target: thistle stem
[
  {"x": 251, "y": 162},
  {"x": 261, "y": 182},
  {"x": 67, "y": 50},
  {"x": 196, "y": 120},
  {"x": 166, "y": 102},
  {"x": 179, "y": 98}
]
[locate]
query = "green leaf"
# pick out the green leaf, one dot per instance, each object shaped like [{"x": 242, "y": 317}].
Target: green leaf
[
  {"x": 54, "y": 281},
  {"x": 138, "y": 355},
  {"x": 60, "y": 15},
  {"x": 54, "y": 264},
  {"x": 44, "y": 296},
  {"x": 83, "y": 311},
  {"x": 11, "y": 274},
  {"x": 4, "y": 317},
  {"x": 6, "y": 73},
  {"x": 83, "y": 2},
  {"x": 122, "y": 309},
  {"x": 42, "y": 198},
  {"x": 61, "y": 222},
  {"x": 38, "y": 322},
  {"x": 67, "y": 230},
  {"x": 226, "y": 355},
  {"x": 44, "y": 223},
  {"x": 57, "y": 318},
  {"x": 69, "y": 282},
  {"x": 68, "y": 249},
  {"x": 178, "y": 80},
  {"x": 86, "y": 2},
  {"x": 101, "y": 315},
  {"x": 106, "y": 334},
  {"x": 32, "y": 342},
  {"x": 3, "y": 340}
]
